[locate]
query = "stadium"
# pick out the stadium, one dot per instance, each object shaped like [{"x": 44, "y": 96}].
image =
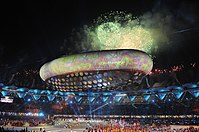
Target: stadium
[{"x": 108, "y": 77}]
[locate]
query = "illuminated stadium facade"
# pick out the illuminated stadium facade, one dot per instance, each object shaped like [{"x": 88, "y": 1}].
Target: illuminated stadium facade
[
  {"x": 97, "y": 71},
  {"x": 112, "y": 79},
  {"x": 107, "y": 82}
]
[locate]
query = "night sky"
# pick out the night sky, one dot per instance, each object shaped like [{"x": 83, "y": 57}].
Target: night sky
[{"x": 33, "y": 32}]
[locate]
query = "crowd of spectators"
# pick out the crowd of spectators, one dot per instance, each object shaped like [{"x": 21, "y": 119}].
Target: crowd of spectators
[
  {"x": 23, "y": 122},
  {"x": 118, "y": 125},
  {"x": 106, "y": 124}
]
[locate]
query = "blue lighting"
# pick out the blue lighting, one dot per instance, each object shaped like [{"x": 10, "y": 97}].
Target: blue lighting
[
  {"x": 6, "y": 87},
  {"x": 195, "y": 93},
  {"x": 190, "y": 85},
  {"x": 29, "y": 113},
  {"x": 69, "y": 93},
  {"x": 48, "y": 92},
  {"x": 146, "y": 97},
  {"x": 193, "y": 86},
  {"x": 179, "y": 88},
  {"x": 43, "y": 92},
  {"x": 29, "y": 100},
  {"x": 36, "y": 97},
  {"x": 65, "y": 98},
  {"x": 4, "y": 93},
  {"x": 21, "y": 95},
  {"x": 105, "y": 94},
  {"x": 82, "y": 94},
  {"x": 91, "y": 99},
  {"x": 61, "y": 93},
  {"x": 41, "y": 114},
  {"x": 50, "y": 97},
  {"x": 118, "y": 98},
  {"x": 78, "y": 99},
  {"x": 1, "y": 84},
  {"x": 178, "y": 94},
  {"x": 104, "y": 99},
  {"x": 132, "y": 98},
  {"x": 71, "y": 102},
  {"x": 161, "y": 96},
  {"x": 36, "y": 91},
  {"x": 56, "y": 92},
  {"x": 21, "y": 90},
  {"x": 163, "y": 90}
]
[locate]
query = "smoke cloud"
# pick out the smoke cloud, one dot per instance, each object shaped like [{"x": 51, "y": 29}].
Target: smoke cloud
[{"x": 152, "y": 31}]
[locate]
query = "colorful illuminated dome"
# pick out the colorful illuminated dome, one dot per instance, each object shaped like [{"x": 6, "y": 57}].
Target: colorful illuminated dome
[{"x": 97, "y": 70}]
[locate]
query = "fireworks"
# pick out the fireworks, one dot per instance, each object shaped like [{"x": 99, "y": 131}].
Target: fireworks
[
  {"x": 115, "y": 36},
  {"x": 119, "y": 30},
  {"x": 177, "y": 68}
]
